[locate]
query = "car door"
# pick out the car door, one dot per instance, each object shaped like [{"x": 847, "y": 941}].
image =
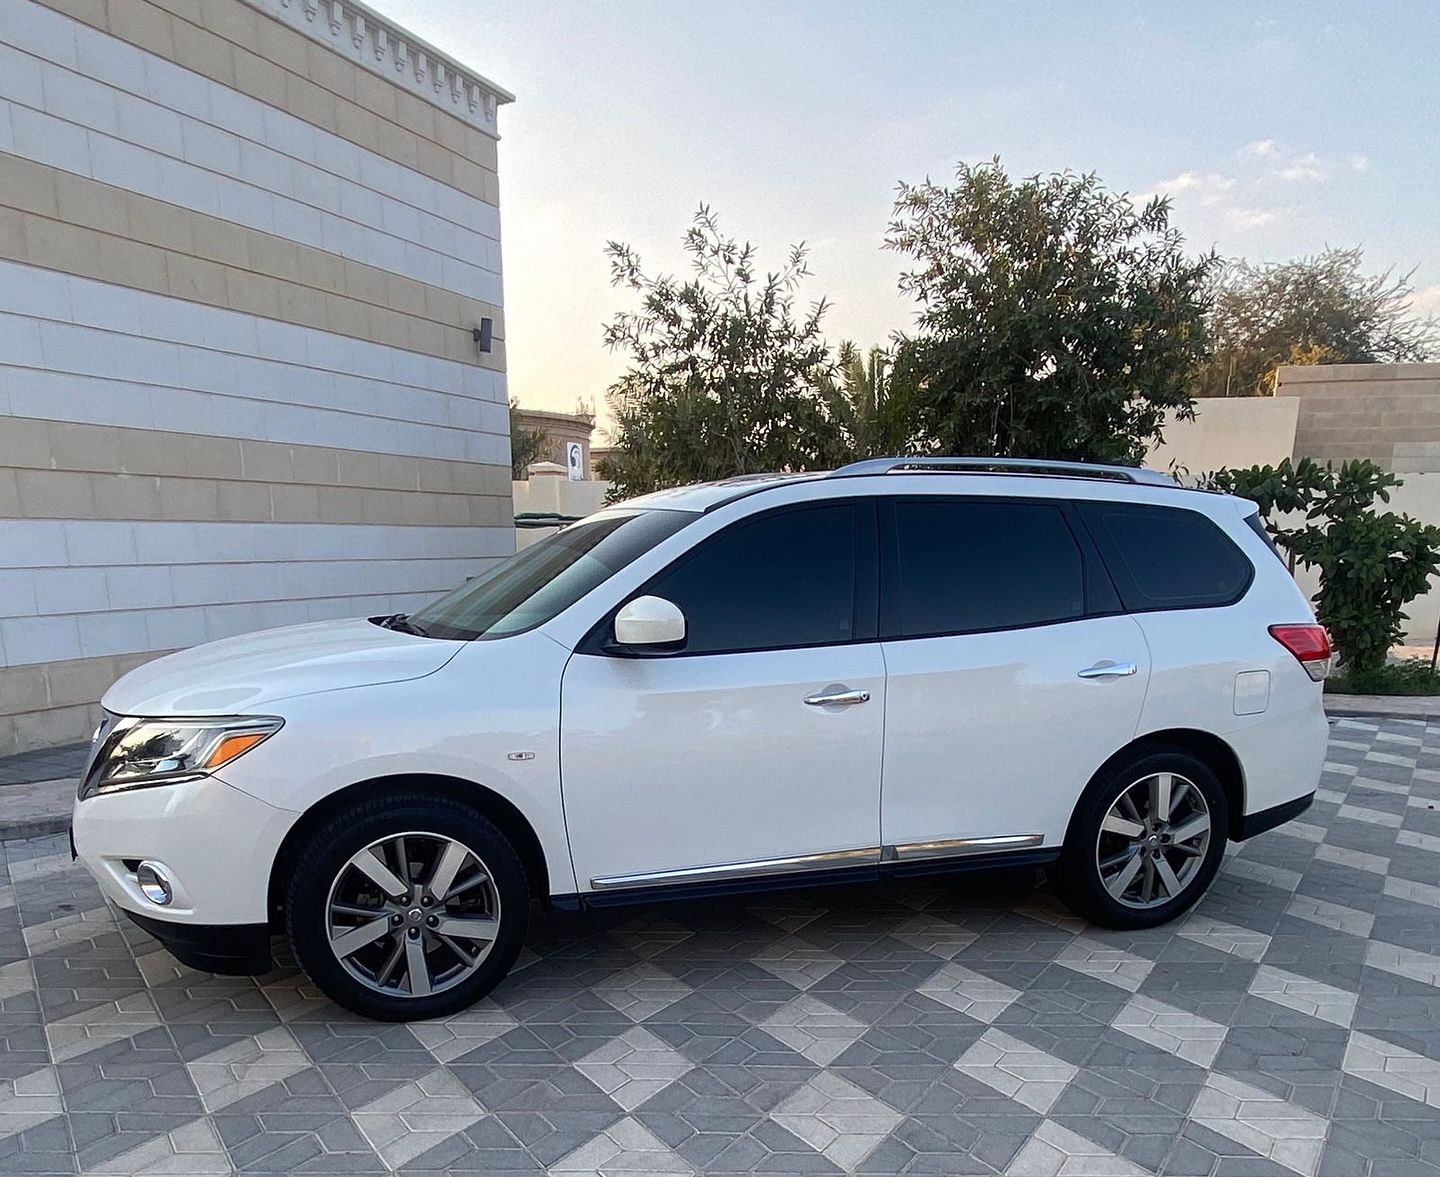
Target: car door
[
  {"x": 1011, "y": 673},
  {"x": 753, "y": 750}
]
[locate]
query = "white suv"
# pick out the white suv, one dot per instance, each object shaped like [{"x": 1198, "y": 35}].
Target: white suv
[{"x": 901, "y": 667}]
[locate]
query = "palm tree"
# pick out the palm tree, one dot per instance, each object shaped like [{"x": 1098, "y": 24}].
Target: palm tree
[{"x": 861, "y": 401}]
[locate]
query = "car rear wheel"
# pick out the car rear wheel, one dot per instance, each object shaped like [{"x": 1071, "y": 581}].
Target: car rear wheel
[
  {"x": 1145, "y": 841},
  {"x": 410, "y": 907}
]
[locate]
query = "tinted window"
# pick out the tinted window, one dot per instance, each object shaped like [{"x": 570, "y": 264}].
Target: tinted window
[
  {"x": 1253, "y": 522},
  {"x": 962, "y": 566},
  {"x": 1166, "y": 557},
  {"x": 534, "y": 585},
  {"x": 783, "y": 580}
]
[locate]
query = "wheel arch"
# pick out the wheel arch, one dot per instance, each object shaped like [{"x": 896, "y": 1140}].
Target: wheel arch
[
  {"x": 1206, "y": 746},
  {"x": 502, "y": 811}
]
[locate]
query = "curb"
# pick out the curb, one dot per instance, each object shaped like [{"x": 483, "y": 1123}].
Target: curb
[
  {"x": 1424, "y": 708},
  {"x": 33, "y": 827},
  {"x": 1400, "y": 715},
  {"x": 36, "y": 809}
]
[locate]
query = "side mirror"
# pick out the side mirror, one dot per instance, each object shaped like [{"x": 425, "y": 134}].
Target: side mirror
[{"x": 650, "y": 623}]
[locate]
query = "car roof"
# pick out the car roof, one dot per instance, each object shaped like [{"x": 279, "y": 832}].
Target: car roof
[{"x": 705, "y": 496}]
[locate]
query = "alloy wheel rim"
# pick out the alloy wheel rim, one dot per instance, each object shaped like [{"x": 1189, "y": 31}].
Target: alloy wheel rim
[
  {"x": 413, "y": 914},
  {"x": 1153, "y": 840}
]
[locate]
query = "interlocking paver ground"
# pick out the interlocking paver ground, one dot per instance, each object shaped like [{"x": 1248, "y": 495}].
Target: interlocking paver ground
[{"x": 1290, "y": 1025}]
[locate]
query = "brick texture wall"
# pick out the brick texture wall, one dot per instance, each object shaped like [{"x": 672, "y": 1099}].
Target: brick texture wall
[
  {"x": 1389, "y": 413},
  {"x": 241, "y": 256}
]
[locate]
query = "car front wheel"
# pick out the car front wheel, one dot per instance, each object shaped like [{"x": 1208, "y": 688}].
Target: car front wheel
[
  {"x": 409, "y": 907},
  {"x": 1145, "y": 841}
]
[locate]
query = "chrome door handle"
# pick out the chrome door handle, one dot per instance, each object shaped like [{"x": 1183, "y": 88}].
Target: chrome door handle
[
  {"x": 1108, "y": 669},
  {"x": 842, "y": 698}
]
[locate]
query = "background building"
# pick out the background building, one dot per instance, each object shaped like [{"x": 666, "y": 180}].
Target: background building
[
  {"x": 558, "y": 430},
  {"x": 243, "y": 247}
]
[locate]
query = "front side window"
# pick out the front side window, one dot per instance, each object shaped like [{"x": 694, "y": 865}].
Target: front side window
[
  {"x": 963, "y": 565},
  {"x": 1166, "y": 557},
  {"x": 548, "y": 577},
  {"x": 782, "y": 580}
]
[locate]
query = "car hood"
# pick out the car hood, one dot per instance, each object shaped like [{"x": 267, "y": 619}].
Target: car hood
[{"x": 243, "y": 674}]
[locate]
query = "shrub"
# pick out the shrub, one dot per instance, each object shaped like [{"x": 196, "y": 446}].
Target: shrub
[{"x": 1410, "y": 677}]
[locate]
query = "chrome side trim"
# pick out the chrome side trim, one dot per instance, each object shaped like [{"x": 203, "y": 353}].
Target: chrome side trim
[
  {"x": 957, "y": 847},
  {"x": 795, "y": 864}
]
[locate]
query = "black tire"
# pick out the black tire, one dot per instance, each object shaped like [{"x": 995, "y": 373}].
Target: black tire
[
  {"x": 1076, "y": 877},
  {"x": 349, "y": 831}
]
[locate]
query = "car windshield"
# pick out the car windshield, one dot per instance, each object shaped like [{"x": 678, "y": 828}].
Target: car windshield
[{"x": 548, "y": 577}]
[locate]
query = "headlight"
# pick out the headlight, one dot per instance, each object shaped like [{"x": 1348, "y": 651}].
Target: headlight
[{"x": 136, "y": 753}]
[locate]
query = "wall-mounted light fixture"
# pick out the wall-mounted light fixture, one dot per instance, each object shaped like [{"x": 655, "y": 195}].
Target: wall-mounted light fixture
[{"x": 483, "y": 334}]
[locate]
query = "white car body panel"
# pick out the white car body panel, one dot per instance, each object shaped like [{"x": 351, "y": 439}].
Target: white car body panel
[
  {"x": 992, "y": 734},
  {"x": 1199, "y": 655},
  {"x": 221, "y": 878},
  {"x": 242, "y": 675},
  {"x": 1192, "y": 686},
  {"x": 495, "y": 699},
  {"x": 660, "y": 764},
  {"x": 677, "y": 763}
]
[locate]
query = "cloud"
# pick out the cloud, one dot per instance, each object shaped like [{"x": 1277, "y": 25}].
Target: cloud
[
  {"x": 1258, "y": 191},
  {"x": 1219, "y": 195},
  {"x": 1425, "y": 302},
  {"x": 1258, "y": 149},
  {"x": 1208, "y": 188},
  {"x": 1302, "y": 169},
  {"x": 1242, "y": 219},
  {"x": 1270, "y": 160}
]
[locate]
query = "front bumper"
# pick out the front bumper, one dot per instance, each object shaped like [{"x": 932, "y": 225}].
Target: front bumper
[
  {"x": 217, "y": 846},
  {"x": 238, "y": 950}
]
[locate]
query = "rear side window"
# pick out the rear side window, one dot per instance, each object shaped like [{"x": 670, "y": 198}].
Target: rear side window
[
  {"x": 782, "y": 580},
  {"x": 1166, "y": 557},
  {"x": 1253, "y": 522},
  {"x": 964, "y": 565}
]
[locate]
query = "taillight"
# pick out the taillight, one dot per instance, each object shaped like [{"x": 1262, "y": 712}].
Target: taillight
[{"x": 1309, "y": 643}]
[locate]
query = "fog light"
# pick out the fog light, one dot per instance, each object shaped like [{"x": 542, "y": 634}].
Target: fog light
[{"x": 154, "y": 884}]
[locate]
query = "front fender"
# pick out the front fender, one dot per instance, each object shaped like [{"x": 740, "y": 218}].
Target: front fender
[{"x": 491, "y": 716}]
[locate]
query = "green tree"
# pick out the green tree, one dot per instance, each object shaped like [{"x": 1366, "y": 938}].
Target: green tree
[
  {"x": 725, "y": 375},
  {"x": 1371, "y": 563},
  {"x": 1056, "y": 319},
  {"x": 526, "y": 445},
  {"x": 863, "y": 400},
  {"x": 1316, "y": 310}
]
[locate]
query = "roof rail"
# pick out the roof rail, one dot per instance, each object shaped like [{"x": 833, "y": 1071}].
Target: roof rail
[{"x": 1034, "y": 467}]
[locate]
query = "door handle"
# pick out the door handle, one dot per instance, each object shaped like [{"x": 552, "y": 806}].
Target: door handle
[
  {"x": 840, "y": 698},
  {"x": 1107, "y": 669}
]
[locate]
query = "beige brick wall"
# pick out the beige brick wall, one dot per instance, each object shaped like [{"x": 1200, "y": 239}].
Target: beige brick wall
[
  {"x": 239, "y": 272},
  {"x": 1389, "y": 413},
  {"x": 65, "y": 470},
  {"x": 55, "y": 703},
  {"x": 231, "y": 43},
  {"x": 61, "y": 221}
]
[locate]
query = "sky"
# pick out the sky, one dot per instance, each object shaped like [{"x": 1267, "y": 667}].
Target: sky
[{"x": 1277, "y": 128}]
